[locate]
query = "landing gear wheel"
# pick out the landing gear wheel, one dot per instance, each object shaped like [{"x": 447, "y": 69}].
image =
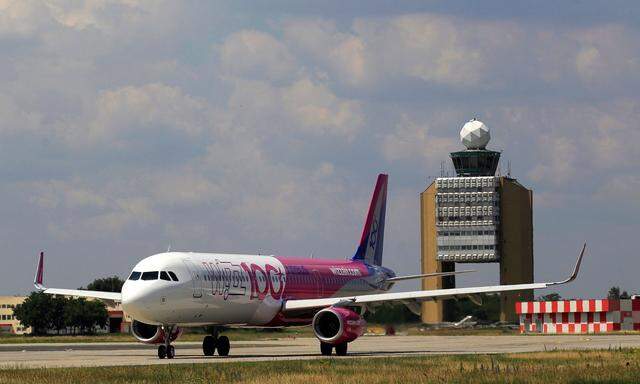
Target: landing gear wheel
[
  {"x": 162, "y": 351},
  {"x": 171, "y": 352},
  {"x": 209, "y": 346},
  {"x": 223, "y": 346},
  {"x": 341, "y": 349},
  {"x": 326, "y": 349}
]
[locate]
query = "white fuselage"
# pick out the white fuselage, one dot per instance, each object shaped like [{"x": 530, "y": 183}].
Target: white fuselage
[{"x": 232, "y": 289}]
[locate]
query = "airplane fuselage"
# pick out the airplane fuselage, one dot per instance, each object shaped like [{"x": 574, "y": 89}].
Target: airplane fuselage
[{"x": 234, "y": 289}]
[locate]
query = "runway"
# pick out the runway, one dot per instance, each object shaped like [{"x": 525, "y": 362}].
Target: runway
[{"x": 117, "y": 354}]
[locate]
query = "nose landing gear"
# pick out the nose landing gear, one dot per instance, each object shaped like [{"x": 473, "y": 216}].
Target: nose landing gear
[
  {"x": 167, "y": 350},
  {"x": 213, "y": 342}
]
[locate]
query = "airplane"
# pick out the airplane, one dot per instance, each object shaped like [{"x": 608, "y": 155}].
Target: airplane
[{"x": 170, "y": 291}]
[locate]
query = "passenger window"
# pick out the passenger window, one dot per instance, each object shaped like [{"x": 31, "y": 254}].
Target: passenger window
[
  {"x": 164, "y": 276},
  {"x": 134, "y": 275},
  {"x": 150, "y": 275},
  {"x": 173, "y": 276}
]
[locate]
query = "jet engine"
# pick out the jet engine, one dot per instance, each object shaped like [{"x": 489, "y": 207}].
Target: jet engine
[
  {"x": 337, "y": 325},
  {"x": 152, "y": 334}
]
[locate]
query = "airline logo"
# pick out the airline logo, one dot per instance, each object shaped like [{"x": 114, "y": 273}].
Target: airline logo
[
  {"x": 373, "y": 236},
  {"x": 226, "y": 279},
  {"x": 342, "y": 271},
  {"x": 267, "y": 281}
]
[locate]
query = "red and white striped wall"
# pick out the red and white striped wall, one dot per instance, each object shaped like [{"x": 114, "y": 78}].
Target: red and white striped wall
[{"x": 579, "y": 316}]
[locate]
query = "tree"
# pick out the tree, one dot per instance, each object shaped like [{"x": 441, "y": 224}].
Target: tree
[
  {"x": 553, "y": 296},
  {"x": 84, "y": 316},
  {"x": 106, "y": 284},
  {"x": 38, "y": 311},
  {"x": 391, "y": 313},
  {"x": 625, "y": 295},
  {"x": 488, "y": 311},
  {"x": 58, "y": 321},
  {"x": 614, "y": 293}
]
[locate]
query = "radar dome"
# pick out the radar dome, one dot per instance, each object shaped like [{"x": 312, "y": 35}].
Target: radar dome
[{"x": 475, "y": 134}]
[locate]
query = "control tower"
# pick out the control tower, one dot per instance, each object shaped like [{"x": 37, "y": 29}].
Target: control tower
[{"x": 476, "y": 217}]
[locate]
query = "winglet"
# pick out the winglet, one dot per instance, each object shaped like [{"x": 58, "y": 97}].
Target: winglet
[
  {"x": 576, "y": 269},
  {"x": 39, "y": 277}
]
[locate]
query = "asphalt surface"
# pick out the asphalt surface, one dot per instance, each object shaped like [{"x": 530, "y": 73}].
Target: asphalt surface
[{"x": 114, "y": 354}]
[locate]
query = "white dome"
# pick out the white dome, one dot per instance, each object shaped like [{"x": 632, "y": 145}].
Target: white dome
[{"x": 475, "y": 135}]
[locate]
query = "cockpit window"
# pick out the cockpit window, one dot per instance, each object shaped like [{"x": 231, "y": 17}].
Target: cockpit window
[
  {"x": 134, "y": 275},
  {"x": 173, "y": 276},
  {"x": 164, "y": 276},
  {"x": 150, "y": 275}
]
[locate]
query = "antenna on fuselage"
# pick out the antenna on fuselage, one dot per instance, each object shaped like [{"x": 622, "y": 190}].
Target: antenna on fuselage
[{"x": 169, "y": 248}]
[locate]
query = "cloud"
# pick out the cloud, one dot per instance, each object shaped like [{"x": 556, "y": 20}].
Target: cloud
[
  {"x": 314, "y": 107},
  {"x": 91, "y": 212},
  {"x": 342, "y": 53},
  {"x": 129, "y": 125},
  {"x": 560, "y": 162},
  {"x": 620, "y": 188},
  {"x": 410, "y": 140},
  {"x": 434, "y": 49},
  {"x": 306, "y": 106},
  {"x": 256, "y": 55},
  {"x": 465, "y": 53},
  {"x": 607, "y": 55},
  {"x": 577, "y": 140},
  {"x": 127, "y": 118}
]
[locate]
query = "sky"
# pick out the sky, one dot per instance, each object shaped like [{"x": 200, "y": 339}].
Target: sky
[{"x": 128, "y": 127}]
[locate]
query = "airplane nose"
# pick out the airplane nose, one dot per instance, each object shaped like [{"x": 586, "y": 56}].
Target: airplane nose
[{"x": 133, "y": 300}]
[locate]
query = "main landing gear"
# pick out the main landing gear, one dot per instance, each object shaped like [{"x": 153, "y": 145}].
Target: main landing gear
[
  {"x": 326, "y": 349},
  {"x": 213, "y": 342},
  {"x": 167, "y": 350}
]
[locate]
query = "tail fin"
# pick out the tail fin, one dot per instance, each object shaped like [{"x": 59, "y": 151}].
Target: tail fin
[
  {"x": 370, "y": 248},
  {"x": 39, "y": 277}
]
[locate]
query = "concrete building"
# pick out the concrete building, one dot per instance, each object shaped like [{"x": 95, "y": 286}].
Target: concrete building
[
  {"x": 8, "y": 321},
  {"x": 476, "y": 217}
]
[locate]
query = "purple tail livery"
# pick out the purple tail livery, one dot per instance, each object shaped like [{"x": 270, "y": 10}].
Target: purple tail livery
[{"x": 370, "y": 248}]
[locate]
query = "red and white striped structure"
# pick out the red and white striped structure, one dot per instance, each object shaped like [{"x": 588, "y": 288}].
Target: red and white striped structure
[{"x": 579, "y": 316}]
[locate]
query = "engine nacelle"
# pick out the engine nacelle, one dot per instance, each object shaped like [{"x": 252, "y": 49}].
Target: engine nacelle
[
  {"x": 338, "y": 325},
  {"x": 152, "y": 334}
]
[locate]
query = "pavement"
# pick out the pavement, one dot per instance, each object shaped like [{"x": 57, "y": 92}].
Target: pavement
[{"x": 119, "y": 354}]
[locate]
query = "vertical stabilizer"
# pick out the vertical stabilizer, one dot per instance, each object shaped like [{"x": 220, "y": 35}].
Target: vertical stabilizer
[
  {"x": 370, "y": 248},
  {"x": 39, "y": 277}
]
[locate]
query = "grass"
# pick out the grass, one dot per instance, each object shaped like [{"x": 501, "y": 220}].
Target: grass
[{"x": 614, "y": 366}]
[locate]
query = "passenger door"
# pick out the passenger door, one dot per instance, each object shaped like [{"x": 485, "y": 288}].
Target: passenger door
[{"x": 196, "y": 277}]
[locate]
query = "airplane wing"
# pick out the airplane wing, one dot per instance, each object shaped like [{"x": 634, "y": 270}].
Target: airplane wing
[
  {"x": 39, "y": 277},
  {"x": 419, "y": 296},
  {"x": 425, "y": 275}
]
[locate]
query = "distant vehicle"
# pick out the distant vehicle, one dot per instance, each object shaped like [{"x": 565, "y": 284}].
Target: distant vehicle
[
  {"x": 169, "y": 291},
  {"x": 466, "y": 322}
]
